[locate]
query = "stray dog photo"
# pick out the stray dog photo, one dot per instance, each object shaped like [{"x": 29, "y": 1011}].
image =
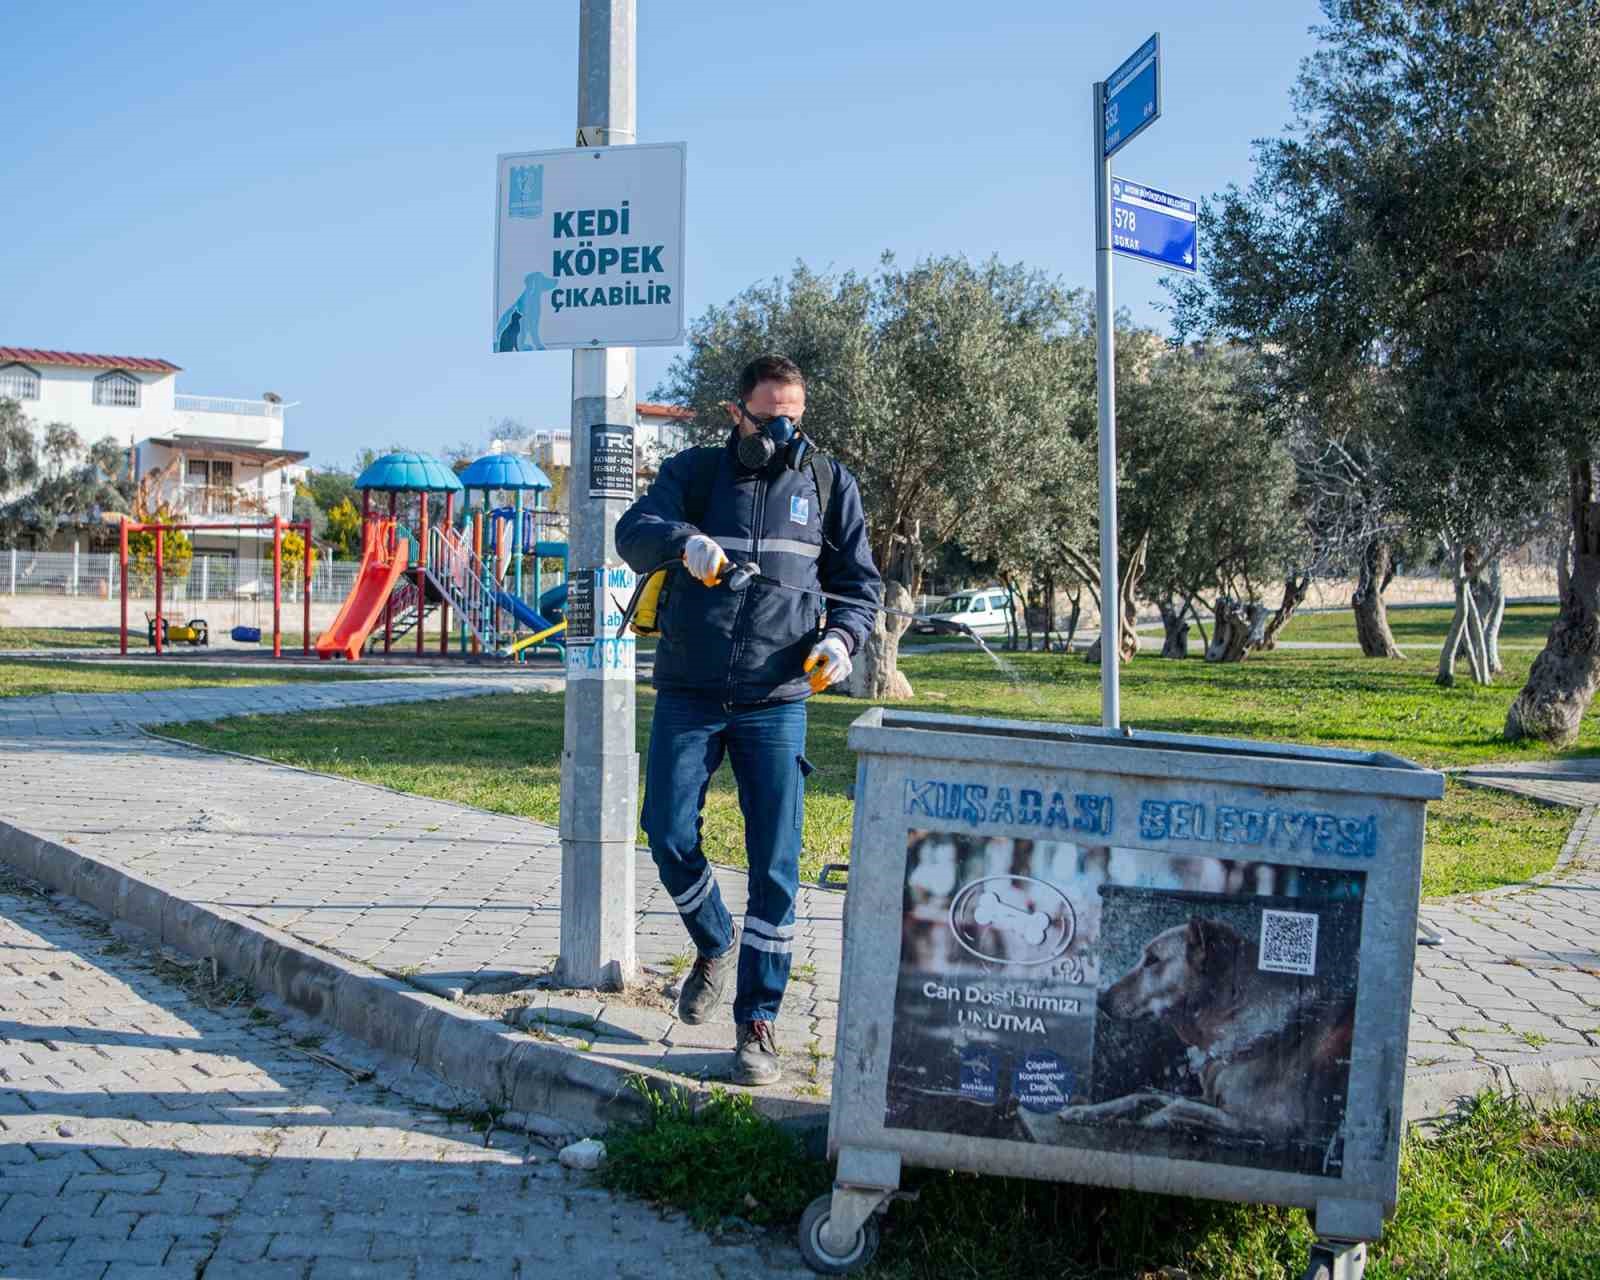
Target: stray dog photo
[
  {"x": 1224, "y": 1025},
  {"x": 1125, "y": 1000}
]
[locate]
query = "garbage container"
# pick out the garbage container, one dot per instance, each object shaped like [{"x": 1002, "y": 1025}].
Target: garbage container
[{"x": 1153, "y": 961}]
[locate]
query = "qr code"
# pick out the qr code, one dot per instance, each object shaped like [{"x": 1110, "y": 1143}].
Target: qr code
[{"x": 1289, "y": 942}]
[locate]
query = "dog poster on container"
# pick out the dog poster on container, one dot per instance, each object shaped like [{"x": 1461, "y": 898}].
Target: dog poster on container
[{"x": 1125, "y": 1000}]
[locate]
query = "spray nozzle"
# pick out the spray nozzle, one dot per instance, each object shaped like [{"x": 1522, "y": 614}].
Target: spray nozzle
[{"x": 739, "y": 576}]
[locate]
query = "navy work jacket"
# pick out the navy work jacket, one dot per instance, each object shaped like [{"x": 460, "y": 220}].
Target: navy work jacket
[{"x": 749, "y": 646}]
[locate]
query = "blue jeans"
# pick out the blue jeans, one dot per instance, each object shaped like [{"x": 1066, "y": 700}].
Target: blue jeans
[{"x": 766, "y": 745}]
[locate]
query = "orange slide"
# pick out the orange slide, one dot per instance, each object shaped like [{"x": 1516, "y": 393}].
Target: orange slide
[{"x": 383, "y": 560}]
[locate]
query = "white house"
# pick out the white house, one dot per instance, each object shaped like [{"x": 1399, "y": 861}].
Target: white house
[
  {"x": 204, "y": 457},
  {"x": 660, "y": 430}
]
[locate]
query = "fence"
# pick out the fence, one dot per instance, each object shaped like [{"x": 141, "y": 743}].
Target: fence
[{"x": 96, "y": 574}]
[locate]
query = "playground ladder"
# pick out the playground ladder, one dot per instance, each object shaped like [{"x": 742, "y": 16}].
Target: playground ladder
[
  {"x": 455, "y": 569},
  {"x": 404, "y": 620}
]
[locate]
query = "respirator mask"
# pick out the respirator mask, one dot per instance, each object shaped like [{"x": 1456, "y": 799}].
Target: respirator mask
[{"x": 772, "y": 434}]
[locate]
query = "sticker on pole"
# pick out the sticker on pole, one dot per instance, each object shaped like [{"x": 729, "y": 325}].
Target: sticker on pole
[
  {"x": 611, "y": 471},
  {"x": 597, "y": 644},
  {"x": 1154, "y": 225},
  {"x": 589, "y": 248}
]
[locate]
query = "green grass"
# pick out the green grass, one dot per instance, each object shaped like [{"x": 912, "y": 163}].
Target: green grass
[
  {"x": 1500, "y": 1192},
  {"x": 1421, "y": 628},
  {"x": 503, "y": 752},
  {"x": 30, "y": 638},
  {"x": 65, "y": 638},
  {"x": 21, "y": 678}
]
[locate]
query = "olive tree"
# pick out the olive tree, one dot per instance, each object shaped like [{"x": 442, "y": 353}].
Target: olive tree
[
  {"x": 49, "y": 478},
  {"x": 1433, "y": 215},
  {"x": 927, "y": 381}
]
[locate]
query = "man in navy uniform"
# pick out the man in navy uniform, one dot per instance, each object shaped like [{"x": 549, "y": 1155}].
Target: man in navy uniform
[{"x": 733, "y": 670}]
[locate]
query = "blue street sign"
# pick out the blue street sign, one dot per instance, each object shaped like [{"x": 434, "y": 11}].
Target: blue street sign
[
  {"x": 1133, "y": 97},
  {"x": 1154, "y": 225}
]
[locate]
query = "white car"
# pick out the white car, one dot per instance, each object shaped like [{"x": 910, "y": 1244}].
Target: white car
[{"x": 983, "y": 611}]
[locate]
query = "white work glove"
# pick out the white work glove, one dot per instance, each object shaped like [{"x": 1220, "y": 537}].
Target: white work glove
[
  {"x": 704, "y": 559},
  {"x": 828, "y": 662}
]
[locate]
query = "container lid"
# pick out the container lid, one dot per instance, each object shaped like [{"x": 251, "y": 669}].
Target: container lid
[{"x": 1136, "y": 753}]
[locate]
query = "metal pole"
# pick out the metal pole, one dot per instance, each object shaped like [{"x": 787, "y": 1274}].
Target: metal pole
[
  {"x": 277, "y": 586},
  {"x": 305, "y": 581},
  {"x": 13, "y": 571},
  {"x": 122, "y": 578},
  {"x": 161, "y": 533},
  {"x": 388, "y": 605},
  {"x": 599, "y": 765},
  {"x": 444, "y": 604},
  {"x": 1110, "y": 583},
  {"x": 422, "y": 568}
]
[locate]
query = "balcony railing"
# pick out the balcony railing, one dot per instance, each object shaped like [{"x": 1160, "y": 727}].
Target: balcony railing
[
  {"x": 221, "y": 404},
  {"x": 220, "y": 500}
]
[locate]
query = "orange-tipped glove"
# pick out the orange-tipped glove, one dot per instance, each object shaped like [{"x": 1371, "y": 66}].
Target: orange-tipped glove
[
  {"x": 828, "y": 662},
  {"x": 704, "y": 559}
]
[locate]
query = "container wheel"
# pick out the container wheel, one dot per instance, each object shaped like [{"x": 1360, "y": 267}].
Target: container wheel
[
  {"x": 818, "y": 1257},
  {"x": 1336, "y": 1263}
]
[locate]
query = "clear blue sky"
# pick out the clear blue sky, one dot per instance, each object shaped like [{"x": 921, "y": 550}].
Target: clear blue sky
[{"x": 298, "y": 197}]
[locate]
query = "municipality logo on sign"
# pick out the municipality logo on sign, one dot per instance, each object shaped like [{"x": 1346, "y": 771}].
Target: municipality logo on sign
[{"x": 526, "y": 198}]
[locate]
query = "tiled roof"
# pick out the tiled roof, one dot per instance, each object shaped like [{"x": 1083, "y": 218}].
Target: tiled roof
[
  {"x": 81, "y": 360},
  {"x": 665, "y": 410}
]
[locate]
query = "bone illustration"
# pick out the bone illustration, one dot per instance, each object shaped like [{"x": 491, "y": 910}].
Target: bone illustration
[{"x": 1031, "y": 925}]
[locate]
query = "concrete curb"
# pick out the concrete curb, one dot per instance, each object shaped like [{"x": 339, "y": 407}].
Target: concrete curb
[{"x": 507, "y": 1069}]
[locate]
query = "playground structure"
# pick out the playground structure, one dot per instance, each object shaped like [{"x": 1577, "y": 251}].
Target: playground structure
[
  {"x": 408, "y": 574},
  {"x": 501, "y": 536},
  {"x": 197, "y": 631}
]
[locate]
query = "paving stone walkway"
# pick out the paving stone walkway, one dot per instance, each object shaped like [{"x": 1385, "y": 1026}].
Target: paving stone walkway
[
  {"x": 458, "y": 898},
  {"x": 149, "y": 1128},
  {"x": 452, "y": 898}
]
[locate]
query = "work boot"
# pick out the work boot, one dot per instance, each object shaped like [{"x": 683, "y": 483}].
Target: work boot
[
  {"x": 755, "y": 1054},
  {"x": 707, "y": 981}
]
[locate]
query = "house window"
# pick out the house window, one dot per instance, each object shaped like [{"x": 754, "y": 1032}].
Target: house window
[
  {"x": 18, "y": 382},
  {"x": 117, "y": 388}
]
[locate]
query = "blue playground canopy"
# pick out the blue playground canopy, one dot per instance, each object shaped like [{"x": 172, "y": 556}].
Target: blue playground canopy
[
  {"x": 509, "y": 471},
  {"x": 407, "y": 472}
]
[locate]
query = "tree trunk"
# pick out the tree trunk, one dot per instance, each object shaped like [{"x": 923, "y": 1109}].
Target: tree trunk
[
  {"x": 1072, "y": 619},
  {"x": 876, "y": 673},
  {"x": 1013, "y": 636},
  {"x": 1175, "y": 629},
  {"x": 1466, "y": 627},
  {"x": 1565, "y": 675},
  {"x": 1372, "y": 615},
  {"x": 1294, "y": 595},
  {"x": 1489, "y": 594},
  {"x": 1127, "y": 607},
  {"x": 1235, "y": 622}
]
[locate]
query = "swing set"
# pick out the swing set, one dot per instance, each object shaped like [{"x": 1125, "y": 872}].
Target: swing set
[{"x": 195, "y": 631}]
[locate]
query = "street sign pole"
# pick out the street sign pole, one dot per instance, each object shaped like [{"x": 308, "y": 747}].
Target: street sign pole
[
  {"x": 1110, "y": 583},
  {"x": 599, "y": 763}
]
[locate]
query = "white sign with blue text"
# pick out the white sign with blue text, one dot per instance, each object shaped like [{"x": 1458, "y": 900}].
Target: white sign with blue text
[
  {"x": 589, "y": 248},
  {"x": 1154, "y": 225}
]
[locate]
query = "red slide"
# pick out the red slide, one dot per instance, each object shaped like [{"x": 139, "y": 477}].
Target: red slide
[{"x": 383, "y": 560}]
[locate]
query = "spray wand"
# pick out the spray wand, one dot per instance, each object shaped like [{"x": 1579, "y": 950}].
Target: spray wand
[{"x": 736, "y": 577}]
